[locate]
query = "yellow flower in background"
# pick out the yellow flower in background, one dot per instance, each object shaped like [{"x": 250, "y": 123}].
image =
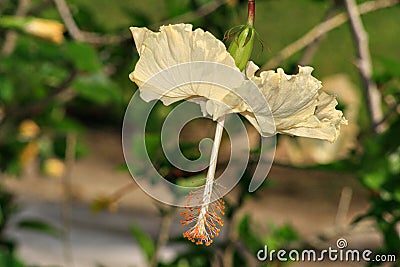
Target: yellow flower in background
[
  {"x": 28, "y": 129},
  {"x": 49, "y": 30},
  {"x": 54, "y": 167}
]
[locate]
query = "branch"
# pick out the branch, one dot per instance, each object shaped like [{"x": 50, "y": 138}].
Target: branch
[
  {"x": 76, "y": 33},
  {"x": 364, "y": 65},
  {"x": 121, "y": 192},
  {"x": 322, "y": 29},
  {"x": 395, "y": 108},
  {"x": 94, "y": 38},
  {"x": 313, "y": 46},
  {"x": 343, "y": 207},
  {"x": 203, "y": 11},
  {"x": 69, "y": 21}
]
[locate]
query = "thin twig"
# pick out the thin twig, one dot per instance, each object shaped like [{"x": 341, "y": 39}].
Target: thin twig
[
  {"x": 66, "y": 185},
  {"x": 313, "y": 46},
  {"x": 122, "y": 191},
  {"x": 202, "y": 11},
  {"x": 391, "y": 110},
  {"x": 69, "y": 21},
  {"x": 95, "y": 38},
  {"x": 343, "y": 207},
  {"x": 163, "y": 234},
  {"x": 364, "y": 65},
  {"x": 76, "y": 33},
  {"x": 322, "y": 29},
  {"x": 11, "y": 36}
]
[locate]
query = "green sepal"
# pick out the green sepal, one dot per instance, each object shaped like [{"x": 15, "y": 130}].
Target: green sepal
[{"x": 242, "y": 46}]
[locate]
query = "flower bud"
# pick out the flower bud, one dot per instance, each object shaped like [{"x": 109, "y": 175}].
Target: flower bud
[
  {"x": 49, "y": 30},
  {"x": 242, "y": 46}
]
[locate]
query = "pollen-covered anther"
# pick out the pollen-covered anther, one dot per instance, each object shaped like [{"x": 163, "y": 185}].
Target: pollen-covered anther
[{"x": 205, "y": 219}]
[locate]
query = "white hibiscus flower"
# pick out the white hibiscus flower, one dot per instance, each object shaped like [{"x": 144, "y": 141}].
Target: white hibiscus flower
[{"x": 297, "y": 103}]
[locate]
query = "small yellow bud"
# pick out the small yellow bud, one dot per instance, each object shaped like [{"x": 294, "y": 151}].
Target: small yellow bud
[
  {"x": 28, "y": 129},
  {"x": 54, "y": 167},
  {"x": 49, "y": 30}
]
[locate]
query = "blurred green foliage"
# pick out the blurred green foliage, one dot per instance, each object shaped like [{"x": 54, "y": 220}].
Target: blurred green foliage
[
  {"x": 72, "y": 86},
  {"x": 379, "y": 170}
]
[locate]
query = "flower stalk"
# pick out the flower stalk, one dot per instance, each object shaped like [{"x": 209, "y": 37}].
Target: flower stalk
[{"x": 251, "y": 12}]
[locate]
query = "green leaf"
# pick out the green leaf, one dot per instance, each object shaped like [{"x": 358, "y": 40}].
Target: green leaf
[
  {"x": 397, "y": 195},
  {"x": 391, "y": 66},
  {"x": 122, "y": 167},
  {"x": 66, "y": 125},
  {"x": 249, "y": 238},
  {"x": 9, "y": 260},
  {"x": 145, "y": 242},
  {"x": 83, "y": 56},
  {"x": 177, "y": 7},
  {"x": 153, "y": 144},
  {"x": 40, "y": 226},
  {"x": 96, "y": 88},
  {"x": 280, "y": 236},
  {"x": 6, "y": 90},
  {"x": 374, "y": 180}
]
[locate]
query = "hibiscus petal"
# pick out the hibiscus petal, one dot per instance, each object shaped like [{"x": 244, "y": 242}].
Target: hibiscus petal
[
  {"x": 173, "y": 46},
  {"x": 330, "y": 120},
  {"x": 297, "y": 103}
]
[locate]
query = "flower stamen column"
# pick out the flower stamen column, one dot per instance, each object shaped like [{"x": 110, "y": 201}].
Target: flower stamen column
[{"x": 207, "y": 215}]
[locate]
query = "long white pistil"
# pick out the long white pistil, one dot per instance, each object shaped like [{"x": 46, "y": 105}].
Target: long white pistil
[
  {"x": 213, "y": 165},
  {"x": 205, "y": 227}
]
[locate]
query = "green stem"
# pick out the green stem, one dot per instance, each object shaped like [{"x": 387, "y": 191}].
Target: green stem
[{"x": 13, "y": 22}]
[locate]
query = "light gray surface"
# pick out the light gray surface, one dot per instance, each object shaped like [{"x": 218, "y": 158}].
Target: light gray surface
[{"x": 95, "y": 238}]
